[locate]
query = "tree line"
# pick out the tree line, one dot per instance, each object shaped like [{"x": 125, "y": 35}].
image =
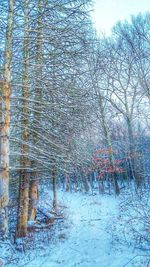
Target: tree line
[{"x": 74, "y": 105}]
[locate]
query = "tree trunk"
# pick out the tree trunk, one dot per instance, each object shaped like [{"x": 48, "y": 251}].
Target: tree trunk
[
  {"x": 21, "y": 230},
  {"x": 33, "y": 199},
  {"x": 135, "y": 168},
  {"x": 109, "y": 146},
  {"x": 5, "y": 129},
  {"x": 24, "y": 161},
  {"x": 67, "y": 177},
  {"x": 67, "y": 182},
  {"x": 33, "y": 194},
  {"x": 84, "y": 180},
  {"x": 54, "y": 179}
]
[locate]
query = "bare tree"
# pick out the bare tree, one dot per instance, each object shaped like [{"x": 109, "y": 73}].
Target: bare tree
[
  {"x": 23, "y": 204},
  {"x": 5, "y": 127}
]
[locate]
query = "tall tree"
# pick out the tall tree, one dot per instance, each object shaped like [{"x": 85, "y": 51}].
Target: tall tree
[
  {"x": 124, "y": 94},
  {"x": 5, "y": 128},
  {"x": 99, "y": 88},
  {"x": 33, "y": 192},
  {"x": 24, "y": 160}
]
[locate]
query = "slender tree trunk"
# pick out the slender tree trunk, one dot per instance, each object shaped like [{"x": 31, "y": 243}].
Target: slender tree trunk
[
  {"x": 33, "y": 194},
  {"x": 67, "y": 179},
  {"x": 54, "y": 180},
  {"x": 24, "y": 160},
  {"x": 106, "y": 134},
  {"x": 67, "y": 182},
  {"x": 33, "y": 199},
  {"x": 134, "y": 162},
  {"x": 109, "y": 146},
  {"x": 84, "y": 180},
  {"x": 114, "y": 178},
  {"x": 5, "y": 129}
]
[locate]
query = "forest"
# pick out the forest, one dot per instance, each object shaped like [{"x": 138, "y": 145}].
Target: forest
[{"x": 74, "y": 137}]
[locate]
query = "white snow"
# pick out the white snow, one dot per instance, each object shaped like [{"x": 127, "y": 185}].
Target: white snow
[{"x": 86, "y": 240}]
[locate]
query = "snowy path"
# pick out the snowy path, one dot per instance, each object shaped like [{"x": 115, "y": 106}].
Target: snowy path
[{"x": 87, "y": 241}]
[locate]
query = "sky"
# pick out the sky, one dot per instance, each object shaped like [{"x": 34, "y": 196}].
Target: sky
[{"x": 107, "y": 12}]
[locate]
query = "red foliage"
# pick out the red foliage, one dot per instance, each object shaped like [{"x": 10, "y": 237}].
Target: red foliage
[{"x": 101, "y": 162}]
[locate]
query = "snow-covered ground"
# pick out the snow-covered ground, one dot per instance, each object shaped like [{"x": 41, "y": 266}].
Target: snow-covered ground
[{"x": 83, "y": 240}]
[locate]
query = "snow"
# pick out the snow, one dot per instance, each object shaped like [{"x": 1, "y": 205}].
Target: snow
[
  {"x": 83, "y": 240},
  {"x": 89, "y": 243}
]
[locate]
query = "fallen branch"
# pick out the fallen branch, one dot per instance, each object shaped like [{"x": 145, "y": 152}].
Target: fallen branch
[
  {"x": 49, "y": 216},
  {"x": 44, "y": 212}
]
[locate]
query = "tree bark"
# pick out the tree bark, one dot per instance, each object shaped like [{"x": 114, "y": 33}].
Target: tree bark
[
  {"x": 135, "y": 168},
  {"x": 21, "y": 230},
  {"x": 33, "y": 199},
  {"x": 33, "y": 194},
  {"x": 54, "y": 180},
  {"x": 5, "y": 128},
  {"x": 109, "y": 146},
  {"x": 67, "y": 182}
]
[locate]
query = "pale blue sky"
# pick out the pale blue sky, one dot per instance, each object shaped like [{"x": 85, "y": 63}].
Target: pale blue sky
[{"x": 108, "y": 12}]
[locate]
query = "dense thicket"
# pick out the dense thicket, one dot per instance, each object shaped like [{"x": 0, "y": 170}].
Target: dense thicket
[{"x": 79, "y": 109}]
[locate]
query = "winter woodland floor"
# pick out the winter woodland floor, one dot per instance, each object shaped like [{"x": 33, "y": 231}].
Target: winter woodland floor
[{"x": 86, "y": 238}]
